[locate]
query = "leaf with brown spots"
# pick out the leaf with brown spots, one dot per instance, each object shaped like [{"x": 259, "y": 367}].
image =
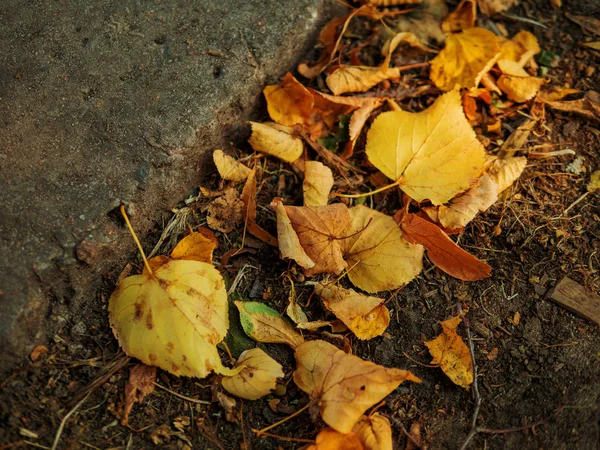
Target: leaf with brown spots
[
  {"x": 173, "y": 317},
  {"x": 139, "y": 385},
  {"x": 257, "y": 378},
  {"x": 343, "y": 386}
]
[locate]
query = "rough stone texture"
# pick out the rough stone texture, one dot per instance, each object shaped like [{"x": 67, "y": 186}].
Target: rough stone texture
[{"x": 105, "y": 102}]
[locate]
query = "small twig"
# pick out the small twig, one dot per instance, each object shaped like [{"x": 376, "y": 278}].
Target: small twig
[
  {"x": 429, "y": 366},
  {"x": 524, "y": 20},
  {"x": 285, "y": 419},
  {"x": 476, "y": 395},
  {"x": 575, "y": 202},
  {"x": 182, "y": 397},
  {"x": 288, "y": 438},
  {"x": 64, "y": 421}
]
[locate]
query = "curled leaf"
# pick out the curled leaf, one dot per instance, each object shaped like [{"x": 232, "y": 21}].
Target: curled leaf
[
  {"x": 257, "y": 378},
  {"x": 364, "y": 315},
  {"x": 173, "y": 318},
  {"x": 276, "y": 141},
  {"x": 374, "y": 432},
  {"x": 462, "y": 18},
  {"x": 318, "y": 181},
  {"x": 196, "y": 247},
  {"x": 516, "y": 83},
  {"x": 139, "y": 385},
  {"x": 378, "y": 257},
  {"x": 289, "y": 243},
  {"x": 433, "y": 154},
  {"x": 264, "y": 324},
  {"x": 229, "y": 168},
  {"x": 343, "y": 386},
  {"x": 452, "y": 354}
]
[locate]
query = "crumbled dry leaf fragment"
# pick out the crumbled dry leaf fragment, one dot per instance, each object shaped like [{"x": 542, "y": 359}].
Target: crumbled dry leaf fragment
[
  {"x": 378, "y": 257},
  {"x": 594, "y": 183},
  {"x": 443, "y": 251},
  {"x": 364, "y": 315},
  {"x": 276, "y": 140},
  {"x": 434, "y": 154},
  {"x": 500, "y": 176},
  {"x": 362, "y": 78},
  {"x": 225, "y": 212},
  {"x": 257, "y": 378},
  {"x": 139, "y": 385},
  {"x": 37, "y": 352},
  {"x": 195, "y": 247},
  {"x": 490, "y": 7},
  {"x": 374, "y": 432},
  {"x": 329, "y": 439},
  {"x": 319, "y": 230},
  {"x": 588, "y": 106},
  {"x": 292, "y": 104},
  {"x": 229, "y": 168},
  {"x": 289, "y": 243},
  {"x": 249, "y": 211},
  {"x": 318, "y": 181},
  {"x": 452, "y": 354},
  {"x": 466, "y": 57},
  {"x": 264, "y": 324},
  {"x": 516, "y": 83},
  {"x": 343, "y": 386},
  {"x": 462, "y": 18},
  {"x": 174, "y": 318}
]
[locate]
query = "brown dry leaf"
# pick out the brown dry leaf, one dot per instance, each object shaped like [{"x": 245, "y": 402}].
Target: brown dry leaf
[
  {"x": 249, "y": 211},
  {"x": 466, "y": 57},
  {"x": 462, "y": 18},
  {"x": 589, "y": 106},
  {"x": 289, "y": 243},
  {"x": 226, "y": 212},
  {"x": 230, "y": 168},
  {"x": 414, "y": 441},
  {"x": 362, "y": 78},
  {"x": 588, "y": 23},
  {"x": 337, "y": 326},
  {"x": 196, "y": 247},
  {"x": 520, "y": 48},
  {"x": 374, "y": 432},
  {"x": 264, "y": 324},
  {"x": 37, "y": 352},
  {"x": 292, "y": 104},
  {"x": 392, "y": 2},
  {"x": 343, "y": 386},
  {"x": 516, "y": 83},
  {"x": 276, "y": 140},
  {"x": 378, "y": 257},
  {"x": 364, "y": 315},
  {"x": 443, "y": 251},
  {"x": 327, "y": 38},
  {"x": 294, "y": 310},
  {"x": 318, "y": 181},
  {"x": 357, "y": 122},
  {"x": 452, "y": 354},
  {"x": 318, "y": 230},
  {"x": 491, "y": 7},
  {"x": 501, "y": 175},
  {"x": 433, "y": 154},
  {"x": 257, "y": 378},
  {"x": 329, "y": 439},
  {"x": 139, "y": 385}
]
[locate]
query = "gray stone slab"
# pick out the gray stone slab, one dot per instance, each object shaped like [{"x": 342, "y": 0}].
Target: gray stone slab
[{"x": 104, "y": 102}]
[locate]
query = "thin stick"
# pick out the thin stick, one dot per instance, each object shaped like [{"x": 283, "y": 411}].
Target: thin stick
[
  {"x": 476, "y": 395},
  {"x": 287, "y": 438},
  {"x": 575, "y": 202},
  {"x": 366, "y": 194},
  {"x": 285, "y": 419},
  {"x": 429, "y": 366},
  {"x": 64, "y": 421},
  {"x": 182, "y": 397},
  {"x": 135, "y": 238}
]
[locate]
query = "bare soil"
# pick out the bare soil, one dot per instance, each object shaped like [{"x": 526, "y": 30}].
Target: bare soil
[{"x": 539, "y": 364}]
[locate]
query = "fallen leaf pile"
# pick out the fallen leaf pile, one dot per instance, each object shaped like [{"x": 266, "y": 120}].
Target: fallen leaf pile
[{"x": 385, "y": 151}]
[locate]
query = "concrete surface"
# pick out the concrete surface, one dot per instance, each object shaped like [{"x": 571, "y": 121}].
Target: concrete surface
[{"x": 103, "y": 102}]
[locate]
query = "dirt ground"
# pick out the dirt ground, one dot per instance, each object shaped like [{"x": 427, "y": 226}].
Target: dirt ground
[{"x": 539, "y": 365}]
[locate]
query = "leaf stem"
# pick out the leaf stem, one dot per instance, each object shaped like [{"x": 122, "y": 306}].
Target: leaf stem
[
  {"x": 366, "y": 194},
  {"x": 285, "y": 419},
  {"x": 135, "y": 238}
]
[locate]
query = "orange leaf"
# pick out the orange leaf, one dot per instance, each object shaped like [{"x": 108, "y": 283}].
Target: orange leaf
[
  {"x": 329, "y": 439},
  {"x": 442, "y": 250},
  {"x": 249, "y": 199},
  {"x": 374, "y": 432}
]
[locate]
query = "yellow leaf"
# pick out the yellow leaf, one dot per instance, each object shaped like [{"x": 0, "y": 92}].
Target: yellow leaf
[
  {"x": 264, "y": 324},
  {"x": 329, "y": 439},
  {"x": 362, "y": 78},
  {"x": 174, "y": 318},
  {"x": 318, "y": 181},
  {"x": 343, "y": 386},
  {"x": 462, "y": 18},
  {"x": 491, "y": 7},
  {"x": 276, "y": 141},
  {"x": 594, "y": 183},
  {"x": 378, "y": 257},
  {"x": 337, "y": 326},
  {"x": 257, "y": 378},
  {"x": 501, "y": 175},
  {"x": 318, "y": 230},
  {"x": 364, "y": 315},
  {"x": 433, "y": 154},
  {"x": 230, "y": 168},
  {"x": 516, "y": 83},
  {"x": 592, "y": 45},
  {"x": 466, "y": 57},
  {"x": 452, "y": 354},
  {"x": 374, "y": 432},
  {"x": 196, "y": 247},
  {"x": 520, "y": 48}
]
